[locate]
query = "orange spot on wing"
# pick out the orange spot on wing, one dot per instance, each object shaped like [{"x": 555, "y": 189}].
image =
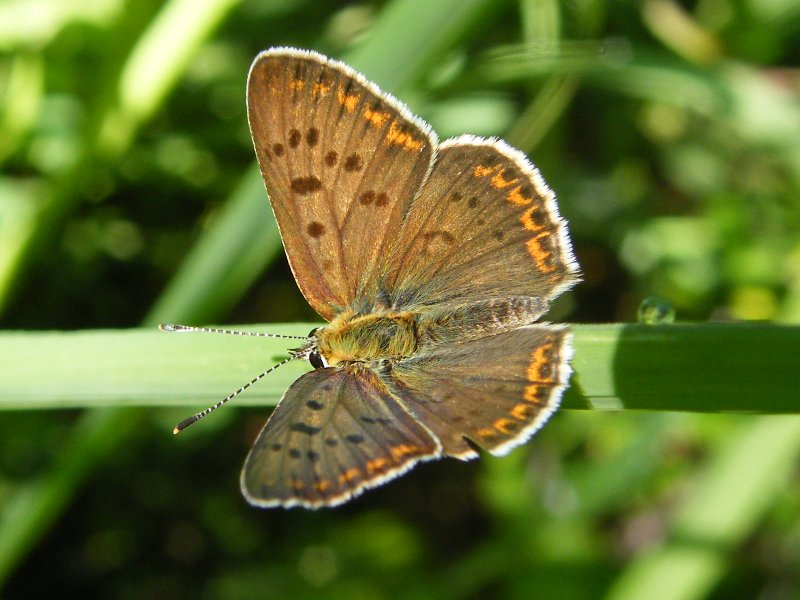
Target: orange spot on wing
[
  {"x": 543, "y": 355},
  {"x": 540, "y": 254},
  {"x": 349, "y": 101},
  {"x": 483, "y": 171},
  {"x": 296, "y": 85},
  {"x": 321, "y": 89},
  {"x": 397, "y": 136},
  {"x": 499, "y": 182},
  {"x": 532, "y": 393},
  {"x": 528, "y": 220},
  {"x": 349, "y": 475},
  {"x": 375, "y": 117},
  {"x": 323, "y": 485},
  {"x": 378, "y": 464},
  {"x": 515, "y": 197},
  {"x": 487, "y": 433},
  {"x": 504, "y": 426},
  {"x": 522, "y": 411},
  {"x": 403, "y": 450}
]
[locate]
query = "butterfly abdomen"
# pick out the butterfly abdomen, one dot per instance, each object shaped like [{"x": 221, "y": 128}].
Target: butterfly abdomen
[
  {"x": 366, "y": 338},
  {"x": 451, "y": 324}
]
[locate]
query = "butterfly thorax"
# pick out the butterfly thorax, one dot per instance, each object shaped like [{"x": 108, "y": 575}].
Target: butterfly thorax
[{"x": 351, "y": 337}]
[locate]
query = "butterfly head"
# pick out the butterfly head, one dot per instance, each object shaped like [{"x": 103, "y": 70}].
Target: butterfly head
[{"x": 310, "y": 351}]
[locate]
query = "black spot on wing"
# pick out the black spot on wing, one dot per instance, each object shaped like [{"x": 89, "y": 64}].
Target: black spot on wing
[
  {"x": 315, "y": 229},
  {"x": 305, "y": 185},
  {"x": 305, "y": 428},
  {"x": 354, "y": 162}
]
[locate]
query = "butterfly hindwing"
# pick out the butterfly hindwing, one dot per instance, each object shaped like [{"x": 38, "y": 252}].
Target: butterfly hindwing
[
  {"x": 495, "y": 390},
  {"x": 485, "y": 225},
  {"x": 336, "y": 432},
  {"x": 342, "y": 162}
]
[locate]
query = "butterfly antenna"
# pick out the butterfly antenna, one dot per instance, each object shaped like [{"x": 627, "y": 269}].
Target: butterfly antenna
[
  {"x": 189, "y": 329},
  {"x": 194, "y": 418}
]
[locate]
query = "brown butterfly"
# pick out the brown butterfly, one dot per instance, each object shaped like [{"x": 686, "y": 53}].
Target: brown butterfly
[{"x": 429, "y": 261}]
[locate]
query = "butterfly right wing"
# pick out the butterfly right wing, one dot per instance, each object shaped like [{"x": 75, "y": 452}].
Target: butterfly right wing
[{"x": 336, "y": 432}]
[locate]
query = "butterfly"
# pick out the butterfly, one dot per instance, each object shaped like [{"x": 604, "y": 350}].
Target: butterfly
[{"x": 429, "y": 261}]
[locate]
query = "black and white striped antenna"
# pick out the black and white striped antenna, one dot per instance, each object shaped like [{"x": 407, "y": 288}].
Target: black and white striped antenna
[
  {"x": 190, "y": 329},
  {"x": 301, "y": 352}
]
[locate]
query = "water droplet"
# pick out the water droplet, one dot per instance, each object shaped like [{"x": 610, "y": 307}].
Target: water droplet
[{"x": 656, "y": 311}]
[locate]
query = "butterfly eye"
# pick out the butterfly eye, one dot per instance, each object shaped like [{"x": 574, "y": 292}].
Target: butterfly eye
[{"x": 316, "y": 360}]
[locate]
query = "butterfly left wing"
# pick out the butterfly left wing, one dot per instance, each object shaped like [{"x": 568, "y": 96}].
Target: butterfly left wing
[
  {"x": 342, "y": 161},
  {"x": 496, "y": 390},
  {"x": 336, "y": 432}
]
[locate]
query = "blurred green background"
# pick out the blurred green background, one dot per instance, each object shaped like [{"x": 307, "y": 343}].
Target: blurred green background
[{"x": 128, "y": 196}]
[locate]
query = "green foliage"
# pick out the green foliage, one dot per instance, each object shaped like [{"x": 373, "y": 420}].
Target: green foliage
[{"x": 128, "y": 196}]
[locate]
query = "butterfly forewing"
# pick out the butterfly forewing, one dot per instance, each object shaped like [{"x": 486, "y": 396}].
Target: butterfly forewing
[
  {"x": 334, "y": 433},
  {"x": 495, "y": 391},
  {"x": 484, "y": 225},
  {"x": 342, "y": 162}
]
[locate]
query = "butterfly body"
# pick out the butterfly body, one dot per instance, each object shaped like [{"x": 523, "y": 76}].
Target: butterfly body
[
  {"x": 395, "y": 335},
  {"x": 367, "y": 338},
  {"x": 430, "y": 261}
]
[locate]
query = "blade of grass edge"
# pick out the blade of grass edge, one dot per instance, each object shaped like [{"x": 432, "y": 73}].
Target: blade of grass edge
[{"x": 708, "y": 367}]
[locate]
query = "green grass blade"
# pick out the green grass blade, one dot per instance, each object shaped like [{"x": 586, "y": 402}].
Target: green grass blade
[
  {"x": 689, "y": 368},
  {"x": 712, "y": 367}
]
